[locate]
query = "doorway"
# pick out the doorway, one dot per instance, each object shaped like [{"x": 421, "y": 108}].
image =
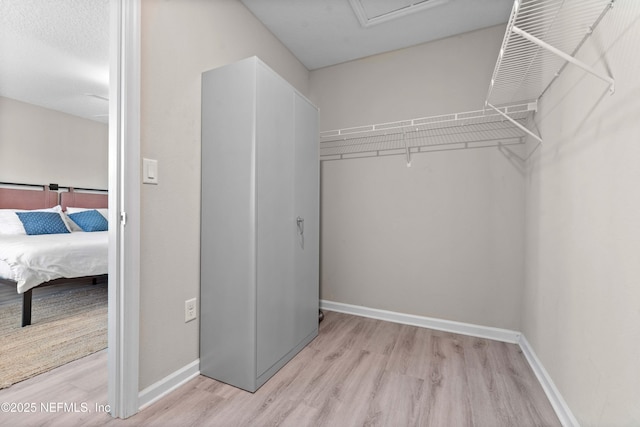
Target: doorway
[{"x": 124, "y": 203}]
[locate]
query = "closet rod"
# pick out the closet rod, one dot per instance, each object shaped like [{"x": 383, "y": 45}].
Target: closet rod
[
  {"x": 488, "y": 127},
  {"x": 453, "y": 120}
]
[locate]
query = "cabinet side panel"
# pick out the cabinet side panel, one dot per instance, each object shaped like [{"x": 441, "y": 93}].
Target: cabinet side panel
[
  {"x": 307, "y": 207},
  {"x": 276, "y": 220},
  {"x": 227, "y": 313}
]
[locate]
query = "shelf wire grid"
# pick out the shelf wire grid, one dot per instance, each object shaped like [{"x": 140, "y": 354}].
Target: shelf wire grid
[
  {"x": 474, "y": 129},
  {"x": 524, "y": 70}
]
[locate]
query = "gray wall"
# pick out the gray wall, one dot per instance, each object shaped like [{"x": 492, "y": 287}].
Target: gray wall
[
  {"x": 180, "y": 40},
  {"x": 42, "y": 146},
  {"x": 581, "y": 306},
  {"x": 443, "y": 238}
]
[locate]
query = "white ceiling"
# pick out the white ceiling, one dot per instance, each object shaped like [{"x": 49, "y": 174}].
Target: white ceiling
[
  {"x": 328, "y": 32},
  {"x": 55, "y": 53}
]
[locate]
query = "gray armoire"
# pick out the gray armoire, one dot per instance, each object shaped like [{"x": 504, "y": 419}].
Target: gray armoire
[{"x": 259, "y": 223}]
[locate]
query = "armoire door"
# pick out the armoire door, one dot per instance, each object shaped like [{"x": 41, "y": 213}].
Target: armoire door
[
  {"x": 227, "y": 244},
  {"x": 275, "y": 219},
  {"x": 307, "y": 211}
]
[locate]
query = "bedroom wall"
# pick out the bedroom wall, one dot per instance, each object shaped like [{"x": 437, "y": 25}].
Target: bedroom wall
[
  {"x": 581, "y": 306},
  {"x": 443, "y": 238},
  {"x": 180, "y": 40},
  {"x": 42, "y": 146}
]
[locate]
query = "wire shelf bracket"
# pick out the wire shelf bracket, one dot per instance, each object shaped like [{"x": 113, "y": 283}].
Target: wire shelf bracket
[
  {"x": 515, "y": 122},
  {"x": 565, "y": 56},
  {"x": 534, "y": 50}
]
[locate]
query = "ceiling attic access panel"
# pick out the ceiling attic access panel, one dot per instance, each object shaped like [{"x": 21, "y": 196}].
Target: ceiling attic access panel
[{"x": 373, "y": 12}]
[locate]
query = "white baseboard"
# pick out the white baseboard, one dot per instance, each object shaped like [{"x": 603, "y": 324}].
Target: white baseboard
[
  {"x": 553, "y": 394},
  {"x": 166, "y": 385},
  {"x": 505, "y": 335},
  {"x": 498, "y": 334},
  {"x": 169, "y": 383}
]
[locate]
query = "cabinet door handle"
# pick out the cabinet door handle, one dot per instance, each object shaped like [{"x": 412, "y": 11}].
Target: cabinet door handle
[{"x": 300, "y": 222}]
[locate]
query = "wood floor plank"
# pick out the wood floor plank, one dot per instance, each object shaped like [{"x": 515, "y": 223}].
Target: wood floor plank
[
  {"x": 359, "y": 387},
  {"x": 397, "y": 402},
  {"x": 489, "y": 405},
  {"x": 447, "y": 400},
  {"x": 410, "y": 349},
  {"x": 384, "y": 338},
  {"x": 358, "y": 372},
  {"x": 301, "y": 415}
]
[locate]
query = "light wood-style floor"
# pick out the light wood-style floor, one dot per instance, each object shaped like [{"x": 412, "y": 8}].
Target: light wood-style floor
[{"x": 358, "y": 372}]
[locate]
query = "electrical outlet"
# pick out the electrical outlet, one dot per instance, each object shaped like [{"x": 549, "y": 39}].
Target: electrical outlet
[{"x": 190, "y": 311}]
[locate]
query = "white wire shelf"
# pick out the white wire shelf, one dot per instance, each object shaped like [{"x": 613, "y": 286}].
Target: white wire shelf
[
  {"x": 473, "y": 129},
  {"x": 542, "y": 37}
]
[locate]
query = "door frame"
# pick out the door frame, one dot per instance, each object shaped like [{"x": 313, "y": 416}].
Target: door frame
[{"x": 124, "y": 207}]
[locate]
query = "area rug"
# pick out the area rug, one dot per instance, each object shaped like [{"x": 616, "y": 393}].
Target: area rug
[{"x": 66, "y": 325}]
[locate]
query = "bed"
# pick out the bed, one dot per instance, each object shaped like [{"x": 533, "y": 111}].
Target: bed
[{"x": 32, "y": 256}]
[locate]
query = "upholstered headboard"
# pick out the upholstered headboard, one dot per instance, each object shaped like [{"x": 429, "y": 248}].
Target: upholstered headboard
[
  {"x": 41, "y": 197},
  {"x": 17, "y": 198},
  {"x": 83, "y": 200}
]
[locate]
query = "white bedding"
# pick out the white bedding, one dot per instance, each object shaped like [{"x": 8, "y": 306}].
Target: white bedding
[
  {"x": 5, "y": 270},
  {"x": 32, "y": 260}
]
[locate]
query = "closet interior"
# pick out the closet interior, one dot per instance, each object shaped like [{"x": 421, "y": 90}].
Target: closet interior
[{"x": 542, "y": 38}]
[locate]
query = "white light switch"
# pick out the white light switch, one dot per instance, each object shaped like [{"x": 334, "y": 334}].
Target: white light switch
[{"x": 149, "y": 171}]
